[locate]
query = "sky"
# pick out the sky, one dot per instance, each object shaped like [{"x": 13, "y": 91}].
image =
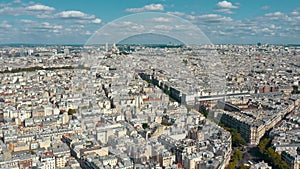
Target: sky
[{"x": 223, "y": 22}]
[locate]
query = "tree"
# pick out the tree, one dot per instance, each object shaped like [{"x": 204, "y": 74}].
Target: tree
[
  {"x": 271, "y": 155},
  {"x": 237, "y": 139},
  {"x": 230, "y": 166},
  {"x": 263, "y": 144},
  {"x": 167, "y": 92},
  {"x": 145, "y": 125},
  {"x": 203, "y": 110},
  {"x": 244, "y": 167},
  {"x": 148, "y": 80},
  {"x": 296, "y": 92},
  {"x": 236, "y": 157},
  {"x": 237, "y": 154},
  {"x": 71, "y": 111}
]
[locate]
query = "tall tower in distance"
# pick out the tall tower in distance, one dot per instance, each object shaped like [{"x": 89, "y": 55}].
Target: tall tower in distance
[
  {"x": 66, "y": 51},
  {"x": 106, "y": 47}
]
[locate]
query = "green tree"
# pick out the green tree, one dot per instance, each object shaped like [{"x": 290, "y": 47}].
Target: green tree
[
  {"x": 263, "y": 144},
  {"x": 167, "y": 92},
  {"x": 244, "y": 167},
  {"x": 71, "y": 111},
  {"x": 271, "y": 156},
  {"x": 237, "y": 139},
  {"x": 230, "y": 166},
  {"x": 203, "y": 110},
  {"x": 145, "y": 125},
  {"x": 237, "y": 155}
]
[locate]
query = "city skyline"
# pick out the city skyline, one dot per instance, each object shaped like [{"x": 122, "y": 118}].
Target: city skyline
[{"x": 223, "y": 22}]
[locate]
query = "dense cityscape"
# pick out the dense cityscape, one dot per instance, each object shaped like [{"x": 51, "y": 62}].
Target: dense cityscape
[
  {"x": 156, "y": 84},
  {"x": 104, "y": 107}
]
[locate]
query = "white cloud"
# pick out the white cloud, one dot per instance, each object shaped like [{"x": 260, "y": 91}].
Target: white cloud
[
  {"x": 57, "y": 27},
  {"x": 137, "y": 27},
  {"x": 214, "y": 18},
  {"x": 226, "y": 4},
  {"x": 96, "y": 21},
  {"x": 26, "y": 21},
  {"x": 162, "y": 19},
  {"x": 272, "y": 26},
  {"x": 176, "y": 13},
  {"x": 12, "y": 11},
  {"x": 5, "y": 24},
  {"x": 225, "y": 7},
  {"x": 296, "y": 12},
  {"x": 297, "y": 18},
  {"x": 150, "y": 7},
  {"x": 39, "y": 7},
  {"x": 163, "y": 27},
  {"x": 265, "y": 7},
  {"x": 55, "y": 31},
  {"x": 266, "y": 30},
  {"x": 27, "y": 9},
  {"x": 88, "y": 33},
  {"x": 47, "y": 25},
  {"x": 74, "y": 15},
  {"x": 275, "y": 14},
  {"x": 122, "y": 24},
  {"x": 77, "y": 22},
  {"x": 154, "y": 7},
  {"x": 224, "y": 10},
  {"x": 223, "y": 33},
  {"x": 181, "y": 27}
]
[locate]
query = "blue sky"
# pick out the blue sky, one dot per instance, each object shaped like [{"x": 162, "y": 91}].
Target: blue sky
[{"x": 74, "y": 21}]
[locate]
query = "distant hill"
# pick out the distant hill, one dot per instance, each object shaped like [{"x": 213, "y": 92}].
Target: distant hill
[{"x": 150, "y": 39}]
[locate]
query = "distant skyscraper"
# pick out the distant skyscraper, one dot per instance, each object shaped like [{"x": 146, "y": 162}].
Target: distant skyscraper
[
  {"x": 30, "y": 52},
  {"x": 66, "y": 51}
]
